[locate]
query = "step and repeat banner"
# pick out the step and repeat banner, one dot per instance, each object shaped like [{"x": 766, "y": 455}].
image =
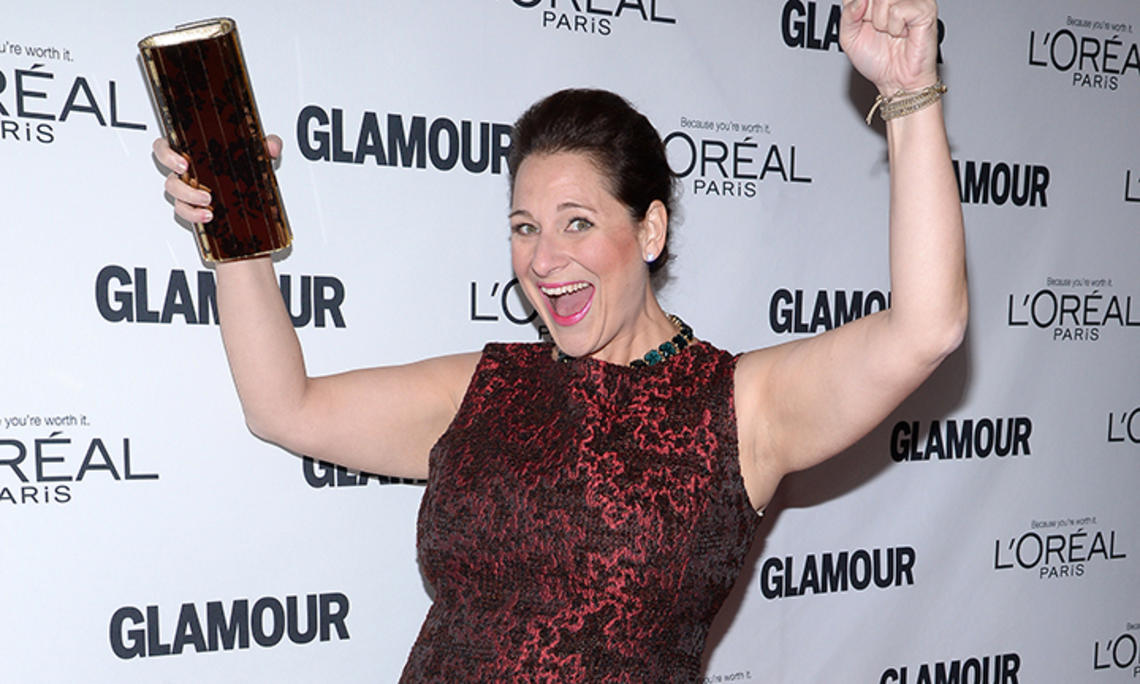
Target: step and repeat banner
[{"x": 987, "y": 531}]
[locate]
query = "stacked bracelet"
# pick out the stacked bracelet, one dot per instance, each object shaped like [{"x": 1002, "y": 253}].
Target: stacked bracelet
[{"x": 903, "y": 103}]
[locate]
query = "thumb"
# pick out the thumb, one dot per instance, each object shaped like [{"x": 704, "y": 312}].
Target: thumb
[
  {"x": 851, "y": 21},
  {"x": 854, "y": 11},
  {"x": 273, "y": 146}
]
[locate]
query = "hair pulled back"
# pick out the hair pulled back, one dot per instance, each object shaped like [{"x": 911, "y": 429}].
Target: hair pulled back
[{"x": 619, "y": 140}]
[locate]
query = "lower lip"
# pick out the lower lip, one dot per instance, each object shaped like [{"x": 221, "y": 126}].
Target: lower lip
[{"x": 571, "y": 319}]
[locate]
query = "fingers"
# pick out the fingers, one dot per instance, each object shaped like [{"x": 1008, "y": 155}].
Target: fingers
[
  {"x": 189, "y": 193},
  {"x": 168, "y": 157},
  {"x": 191, "y": 203},
  {"x": 897, "y": 17}
]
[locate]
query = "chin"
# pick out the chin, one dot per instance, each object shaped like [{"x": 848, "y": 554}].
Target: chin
[
  {"x": 569, "y": 342},
  {"x": 567, "y": 346}
]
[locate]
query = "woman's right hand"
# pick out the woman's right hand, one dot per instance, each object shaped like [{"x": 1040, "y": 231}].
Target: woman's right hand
[{"x": 193, "y": 203}]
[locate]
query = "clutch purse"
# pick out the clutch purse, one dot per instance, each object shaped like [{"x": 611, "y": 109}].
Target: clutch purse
[{"x": 202, "y": 91}]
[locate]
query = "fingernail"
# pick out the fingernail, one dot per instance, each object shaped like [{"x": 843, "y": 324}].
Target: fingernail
[
  {"x": 207, "y": 216},
  {"x": 180, "y": 166}
]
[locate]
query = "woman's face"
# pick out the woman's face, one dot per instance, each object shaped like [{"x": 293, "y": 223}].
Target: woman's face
[{"x": 580, "y": 256}]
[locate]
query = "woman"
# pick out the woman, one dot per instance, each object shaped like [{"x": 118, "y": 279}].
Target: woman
[{"x": 584, "y": 519}]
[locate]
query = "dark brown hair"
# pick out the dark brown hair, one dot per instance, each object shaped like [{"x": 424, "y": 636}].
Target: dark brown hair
[{"x": 624, "y": 146}]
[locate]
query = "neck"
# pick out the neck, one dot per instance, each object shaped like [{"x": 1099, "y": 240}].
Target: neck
[{"x": 651, "y": 327}]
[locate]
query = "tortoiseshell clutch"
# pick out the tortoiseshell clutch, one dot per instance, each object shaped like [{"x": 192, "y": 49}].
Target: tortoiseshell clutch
[{"x": 199, "y": 81}]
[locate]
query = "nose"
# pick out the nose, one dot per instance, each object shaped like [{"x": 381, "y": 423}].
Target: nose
[{"x": 549, "y": 255}]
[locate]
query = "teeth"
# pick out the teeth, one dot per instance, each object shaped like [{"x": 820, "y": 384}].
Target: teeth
[{"x": 564, "y": 289}]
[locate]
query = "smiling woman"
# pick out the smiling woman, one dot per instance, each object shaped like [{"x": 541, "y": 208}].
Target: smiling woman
[
  {"x": 590, "y": 502},
  {"x": 626, "y": 151},
  {"x": 581, "y": 258},
  {"x": 591, "y": 194}
]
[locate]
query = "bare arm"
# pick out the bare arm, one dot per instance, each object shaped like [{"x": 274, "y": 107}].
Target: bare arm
[
  {"x": 382, "y": 420},
  {"x": 802, "y": 402}
]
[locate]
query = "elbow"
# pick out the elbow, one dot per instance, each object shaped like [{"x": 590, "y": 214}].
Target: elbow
[
  {"x": 958, "y": 320},
  {"x": 261, "y": 427},
  {"x": 959, "y": 333},
  {"x": 928, "y": 338},
  {"x": 949, "y": 342},
  {"x": 271, "y": 426},
  {"x": 947, "y": 332},
  {"x": 269, "y": 416}
]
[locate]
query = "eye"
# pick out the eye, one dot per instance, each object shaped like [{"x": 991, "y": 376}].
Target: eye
[
  {"x": 579, "y": 224},
  {"x": 523, "y": 229}
]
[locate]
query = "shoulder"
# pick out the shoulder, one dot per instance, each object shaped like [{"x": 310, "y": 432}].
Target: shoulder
[
  {"x": 496, "y": 358},
  {"x": 751, "y": 374},
  {"x": 752, "y": 368},
  {"x": 515, "y": 354},
  {"x": 493, "y": 353},
  {"x": 703, "y": 358},
  {"x": 447, "y": 375},
  {"x": 755, "y": 411}
]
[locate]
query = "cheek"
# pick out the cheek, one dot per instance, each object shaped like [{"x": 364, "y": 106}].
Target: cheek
[
  {"x": 520, "y": 260},
  {"x": 615, "y": 258},
  {"x": 520, "y": 264}
]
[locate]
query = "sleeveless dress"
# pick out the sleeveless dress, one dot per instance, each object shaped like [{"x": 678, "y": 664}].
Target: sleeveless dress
[{"x": 583, "y": 521}]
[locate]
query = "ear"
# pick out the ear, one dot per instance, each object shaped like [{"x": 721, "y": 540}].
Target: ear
[{"x": 654, "y": 231}]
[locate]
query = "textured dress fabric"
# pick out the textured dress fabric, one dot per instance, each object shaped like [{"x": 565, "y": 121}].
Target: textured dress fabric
[{"x": 583, "y": 521}]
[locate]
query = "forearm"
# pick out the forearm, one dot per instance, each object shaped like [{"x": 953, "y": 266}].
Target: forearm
[
  {"x": 927, "y": 244},
  {"x": 261, "y": 344}
]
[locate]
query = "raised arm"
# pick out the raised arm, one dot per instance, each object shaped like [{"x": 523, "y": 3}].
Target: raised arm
[
  {"x": 800, "y": 403},
  {"x": 381, "y": 420}
]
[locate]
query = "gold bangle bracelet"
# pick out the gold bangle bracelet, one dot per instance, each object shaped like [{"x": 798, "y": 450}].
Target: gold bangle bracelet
[{"x": 903, "y": 103}]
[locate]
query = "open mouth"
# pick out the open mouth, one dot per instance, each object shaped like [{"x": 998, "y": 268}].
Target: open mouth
[{"x": 568, "y": 302}]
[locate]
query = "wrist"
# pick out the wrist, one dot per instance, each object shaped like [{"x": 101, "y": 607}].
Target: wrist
[
  {"x": 903, "y": 102},
  {"x": 890, "y": 87}
]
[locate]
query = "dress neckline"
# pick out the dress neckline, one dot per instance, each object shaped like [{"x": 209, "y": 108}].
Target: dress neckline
[{"x": 585, "y": 362}]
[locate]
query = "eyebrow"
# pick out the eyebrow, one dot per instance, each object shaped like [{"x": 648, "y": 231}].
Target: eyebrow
[{"x": 561, "y": 207}]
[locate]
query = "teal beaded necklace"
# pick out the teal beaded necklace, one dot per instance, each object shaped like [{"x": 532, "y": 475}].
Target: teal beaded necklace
[{"x": 654, "y": 356}]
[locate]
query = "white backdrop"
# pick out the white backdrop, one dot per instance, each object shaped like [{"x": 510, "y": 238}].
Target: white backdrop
[{"x": 139, "y": 519}]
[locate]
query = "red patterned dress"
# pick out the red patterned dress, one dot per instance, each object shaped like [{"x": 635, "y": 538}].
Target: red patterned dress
[{"x": 583, "y": 521}]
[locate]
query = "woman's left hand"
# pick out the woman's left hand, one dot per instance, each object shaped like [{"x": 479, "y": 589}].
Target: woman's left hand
[{"x": 893, "y": 43}]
